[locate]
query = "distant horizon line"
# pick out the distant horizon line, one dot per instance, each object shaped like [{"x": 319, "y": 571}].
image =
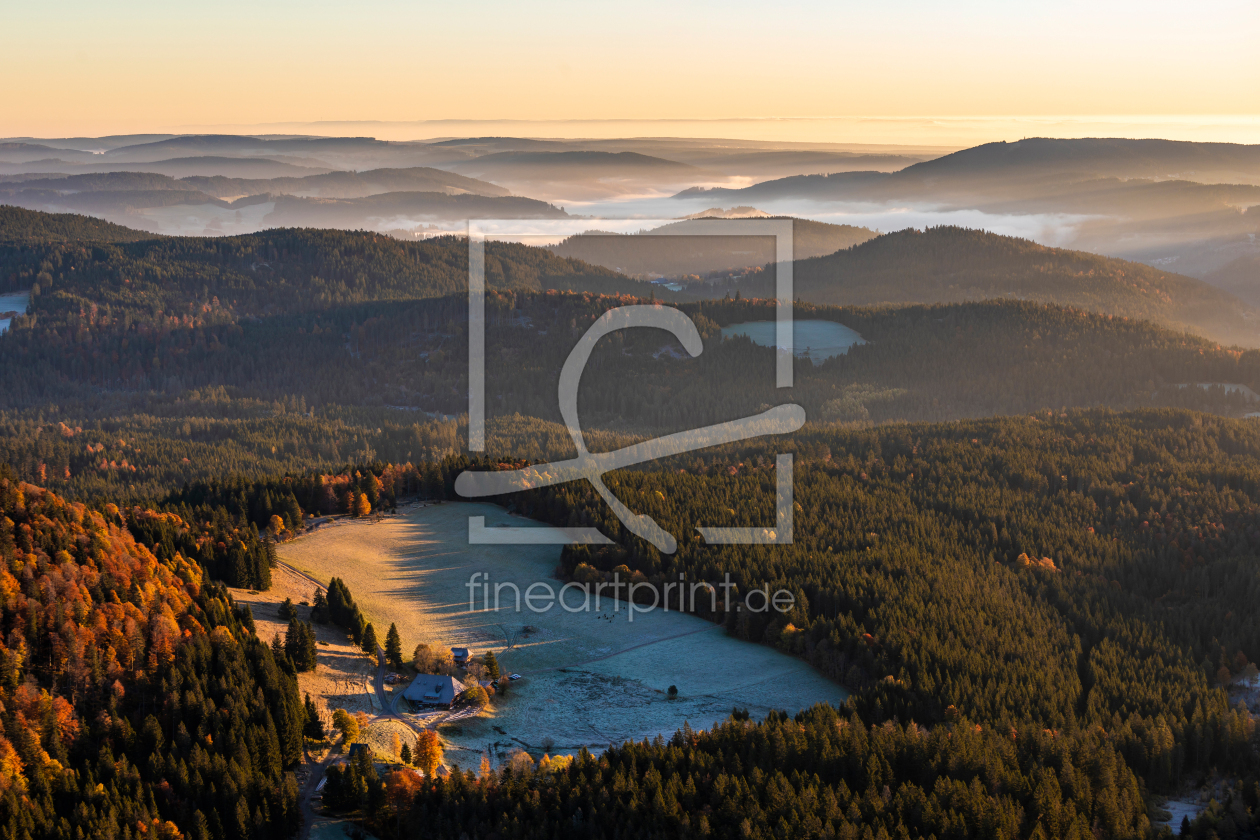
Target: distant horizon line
[{"x": 937, "y": 132}]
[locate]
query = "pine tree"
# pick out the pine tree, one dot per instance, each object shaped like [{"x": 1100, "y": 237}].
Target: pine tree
[
  {"x": 369, "y": 643},
  {"x": 314, "y": 728},
  {"x": 404, "y": 754},
  {"x": 492, "y": 666},
  {"x": 308, "y": 646},
  {"x": 320, "y": 612},
  {"x": 292, "y": 512},
  {"x": 299, "y": 645},
  {"x": 393, "y": 647},
  {"x": 278, "y": 651},
  {"x": 336, "y": 603},
  {"x": 358, "y": 626}
]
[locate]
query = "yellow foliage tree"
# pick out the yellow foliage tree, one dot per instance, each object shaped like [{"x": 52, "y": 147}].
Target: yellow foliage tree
[
  {"x": 347, "y": 724},
  {"x": 362, "y": 507},
  {"x": 428, "y": 754},
  {"x": 477, "y": 696}
]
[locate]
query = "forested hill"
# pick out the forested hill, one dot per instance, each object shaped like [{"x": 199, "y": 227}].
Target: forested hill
[
  {"x": 949, "y": 264},
  {"x": 1097, "y": 157},
  {"x": 18, "y": 225},
  {"x": 282, "y": 270},
  {"x": 674, "y": 249},
  {"x": 295, "y": 393},
  {"x": 135, "y": 701},
  {"x": 346, "y": 184}
]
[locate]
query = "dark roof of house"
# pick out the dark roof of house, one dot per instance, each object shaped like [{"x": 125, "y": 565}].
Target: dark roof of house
[{"x": 433, "y": 688}]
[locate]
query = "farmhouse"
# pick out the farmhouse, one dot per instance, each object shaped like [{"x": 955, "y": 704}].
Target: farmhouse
[
  {"x": 433, "y": 690},
  {"x": 461, "y": 656}
]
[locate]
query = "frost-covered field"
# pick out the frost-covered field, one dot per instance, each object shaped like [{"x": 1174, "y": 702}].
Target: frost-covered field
[{"x": 589, "y": 677}]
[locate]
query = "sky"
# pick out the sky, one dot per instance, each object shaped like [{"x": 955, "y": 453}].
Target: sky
[{"x": 887, "y": 71}]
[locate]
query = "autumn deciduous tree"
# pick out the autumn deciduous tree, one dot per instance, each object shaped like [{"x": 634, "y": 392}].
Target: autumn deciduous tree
[
  {"x": 428, "y": 660},
  {"x": 347, "y": 725},
  {"x": 475, "y": 674},
  {"x": 428, "y": 754},
  {"x": 521, "y": 763},
  {"x": 362, "y": 507},
  {"x": 400, "y": 789},
  {"x": 476, "y": 695},
  {"x": 395, "y": 743}
]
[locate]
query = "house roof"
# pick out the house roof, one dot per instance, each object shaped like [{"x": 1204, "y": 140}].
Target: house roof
[
  {"x": 460, "y": 651},
  {"x": 433, "y": 688}
]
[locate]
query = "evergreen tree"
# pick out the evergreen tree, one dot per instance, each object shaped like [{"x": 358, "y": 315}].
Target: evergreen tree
[
  {"x": 336, "y": 603},
  {"x": 393, "y": 647},
  {"x": 492, "y": 666},
  {"x": 369, "y": 643},
  {"x": 314, "y": 728},
  {"x": 320, "y": 611},
  {"x": 299, "y": 645},
  {"x": 358, "y": 626}
]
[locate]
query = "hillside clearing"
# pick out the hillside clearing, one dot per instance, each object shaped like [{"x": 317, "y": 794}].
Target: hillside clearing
[{"x": 589, "y": 678}]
